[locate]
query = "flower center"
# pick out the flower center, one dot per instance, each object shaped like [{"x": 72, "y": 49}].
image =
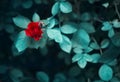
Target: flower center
[{"x": 34, "y": 30}]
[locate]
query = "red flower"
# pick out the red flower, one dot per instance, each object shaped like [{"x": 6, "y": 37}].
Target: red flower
[{"x": 34, "y": 30}]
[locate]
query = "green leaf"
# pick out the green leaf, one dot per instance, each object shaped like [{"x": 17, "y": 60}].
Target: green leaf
[
  {"x": 95, "y": 57},
  {"x": 65, "y": 7},
  {"x": 21, "y": 21},
  {"x": 55, "y": 34},
  {"x": 35, "y": 17},
  {"x": 77, "y": 57},
  {"x": 84, "y": 38},
  {"x": 111, "y": 33},
  {"x": 66, "y": 44},
  {"x": 42, "y": 76},
  {"x": 68, "y": 28},
  {"x": 105, "y": 72},
  {"x": 88, "y": 27},
  {"x": 55, "y": 8},
  {"x": 22, "y": 41},
  {"x": 106, "y": 26},
  {"x": 104, "y": 43},
  {"x": 116, "y": 23},
  {"x": 82, "y": 63}
]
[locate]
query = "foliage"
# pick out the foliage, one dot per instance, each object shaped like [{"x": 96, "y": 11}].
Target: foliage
[{"x": 85, "y": 35}]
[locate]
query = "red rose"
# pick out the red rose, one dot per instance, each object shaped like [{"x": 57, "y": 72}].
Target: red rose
[{"x": 34, "y": 30}]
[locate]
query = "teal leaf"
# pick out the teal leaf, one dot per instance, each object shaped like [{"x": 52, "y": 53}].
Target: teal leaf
[
  {"x": 60, "y": 77},
  {"x": 78, "y": 50},
  {"x": 111, "y": 33},
  {"x": 94, "y": 45},
  {"x": 106, "y": 26},
  {"x": 55, "y": 34},
  {"x": 116, "y": 23},
  {"x": 9, "y": 28},
  {"x": 22, "y": 41},
  {"x": 65, "y": 7},
  {"x": 74, "y": 71},
  {"x": 104, "y": 43},
  {"x": 27, "y": 4},
  {"x": 77, "y": 57},
  {"x": 113, "y": 62},
  {"x": 55, "y": 8},
  {"x": 88, "y": 27},
  {"x": 105, "y": 72},
  {"x": 52, "y": 22},
  {"x": 68, "y": 28},
  {"x": 85, "y": 16},
  {"x": 82, "y": 63},
  {"x": 21, "y": 21},
  {"x": 66, "y": 44},
  {"x": 91, "y": 1},
  {"x": 42, "y": 76},
  {"x": 88, "y": 49},
  {"x": 105, "y": 5},
  {"x": 84, "y": 38},
  {"x": 116, "y": 39},
  {"x": 87, "y": 57},
  {"x": 95, "y": 57},
  {"x": 15, "y": 74},
  {"x": 35, "y": 17}
]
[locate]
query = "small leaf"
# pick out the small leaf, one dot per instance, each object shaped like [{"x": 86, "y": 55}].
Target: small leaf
[
  {"x": 87, "y": 57},
  {"x": 91, "y": 1},
  {"x": 82, "y": 63},
  {"x": 95, "y": 57},
  {"x": 85, "y": 16},
  {"x": 27, "y": 4},
  {"x": 78, "y": 50},
  {"x": 88, "y": 27},
  {"x": 22, "y": 41},
  {"x": 21, "y": 21},
  {"x": 105, "y": 72},
  {"x": 65, "y": 7},
  {"x": 35, "y": 17},
  {"x": 55, "y": 34},
  {"x": 111, "y": 33},
  {"x": 84, "y": 38},
  {"x": 55, "y": 8},
  {"x": 94, "y": 46},
  {"x": 42, "y": 77},
  {"x": 52, "y": 22},
  {"x": 104, "y": 43},
  {"x": 105, "y": 5},
  {"x": 66, "y": 44},
  {"x": 116, "y": 23},
  {"x": 15, "y": 74},
  {"x": 116, "y": 39},
  {"x": 68, "y": 28},
  {"x": 106, "y": 26},
  {"x": 76, "y": 57}
]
